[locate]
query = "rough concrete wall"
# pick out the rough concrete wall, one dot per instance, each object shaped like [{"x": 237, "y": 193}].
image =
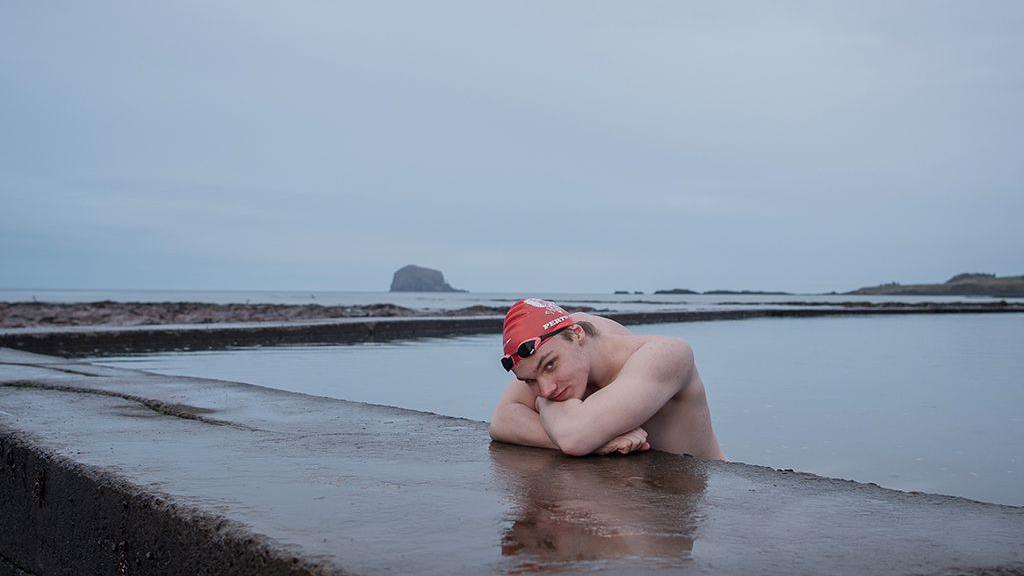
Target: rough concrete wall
[
  {"x": 59, "y": 517},
  {"x": 8, "y": 569}
]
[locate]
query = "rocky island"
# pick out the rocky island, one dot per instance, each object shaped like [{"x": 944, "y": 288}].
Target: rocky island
[
  {"x": 413, "y": 278},
  {"x": 967, "y": 284}
]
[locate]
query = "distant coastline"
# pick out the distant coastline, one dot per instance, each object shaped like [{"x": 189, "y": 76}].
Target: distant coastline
[
  {"x": 747, "y": 293},
  {"x": 968, "y": 284},
  {"x": 724, "y": 292}
]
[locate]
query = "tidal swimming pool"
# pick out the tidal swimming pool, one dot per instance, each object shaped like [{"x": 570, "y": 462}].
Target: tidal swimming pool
[{"x": 933, "y": 403}]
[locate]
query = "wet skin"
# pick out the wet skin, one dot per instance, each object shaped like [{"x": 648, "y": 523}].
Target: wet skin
[{"x": 581, "y": 394}]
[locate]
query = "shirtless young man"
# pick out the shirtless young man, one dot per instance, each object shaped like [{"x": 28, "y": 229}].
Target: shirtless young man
[{"x": 585, "y": 384}]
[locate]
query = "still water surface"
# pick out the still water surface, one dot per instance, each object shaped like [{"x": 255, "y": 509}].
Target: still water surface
[{"x": 924, "y": 402}]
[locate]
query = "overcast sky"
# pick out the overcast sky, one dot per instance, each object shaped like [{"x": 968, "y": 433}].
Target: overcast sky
[{"x": 517, "y": 146}]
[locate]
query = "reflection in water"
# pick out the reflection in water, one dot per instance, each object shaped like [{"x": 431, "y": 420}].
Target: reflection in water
[{"x": 598, "y": 509}]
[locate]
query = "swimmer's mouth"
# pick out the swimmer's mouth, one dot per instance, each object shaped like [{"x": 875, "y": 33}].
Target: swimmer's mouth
[{"x": 558, "y": 397}]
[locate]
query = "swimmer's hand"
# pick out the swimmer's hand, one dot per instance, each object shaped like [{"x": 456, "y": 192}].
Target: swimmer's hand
[{"x": 633, "y": 441}]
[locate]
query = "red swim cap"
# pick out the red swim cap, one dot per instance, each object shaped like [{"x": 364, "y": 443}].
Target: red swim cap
[{"x": 530, "y": 318}]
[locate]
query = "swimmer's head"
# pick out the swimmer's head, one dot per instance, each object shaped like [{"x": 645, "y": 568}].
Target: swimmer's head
[
  {"x": 529, "y": 324},
  {"x": 554, "y": 368}
]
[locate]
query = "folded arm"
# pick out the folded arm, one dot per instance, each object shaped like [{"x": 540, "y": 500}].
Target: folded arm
[
  {"x": 515, "y": 422},
  {"x": 655, "y": 373}
]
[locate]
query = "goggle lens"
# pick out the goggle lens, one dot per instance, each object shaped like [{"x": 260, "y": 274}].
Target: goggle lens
[{"x": 526, "y": 349}]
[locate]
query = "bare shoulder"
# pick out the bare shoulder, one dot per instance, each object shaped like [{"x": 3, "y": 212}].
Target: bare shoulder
[
  {"x": 664, "y": 359},
  {"x": 603, "y": 325}
]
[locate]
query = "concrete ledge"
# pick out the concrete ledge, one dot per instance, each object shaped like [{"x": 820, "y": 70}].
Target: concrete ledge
[
  {"x": 77, "y": 342},
  {"x": 110, "y": 471},
  {"x": 64, "y": 518}
]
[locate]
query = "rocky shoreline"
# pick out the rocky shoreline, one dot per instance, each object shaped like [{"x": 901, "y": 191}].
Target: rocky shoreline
[
  {"x": 121, "y": 314},
  {"x": 109, "y": 313}
]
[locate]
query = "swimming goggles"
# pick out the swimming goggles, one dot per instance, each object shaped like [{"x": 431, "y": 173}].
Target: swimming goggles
[{"x": 528, "y": 348}]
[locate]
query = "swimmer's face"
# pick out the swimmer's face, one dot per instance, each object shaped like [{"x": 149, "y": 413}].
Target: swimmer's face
[{"x": 559, "y": 369}]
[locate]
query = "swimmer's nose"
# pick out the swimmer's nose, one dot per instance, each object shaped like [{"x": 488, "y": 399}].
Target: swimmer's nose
[{"x": 547, "y": 390}]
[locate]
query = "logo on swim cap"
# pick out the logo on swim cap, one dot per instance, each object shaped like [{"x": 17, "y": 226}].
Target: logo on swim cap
[{"x": 549, "y": 307}]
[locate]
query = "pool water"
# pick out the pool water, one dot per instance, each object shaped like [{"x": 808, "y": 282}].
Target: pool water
[{"x": 921, "y": 402}]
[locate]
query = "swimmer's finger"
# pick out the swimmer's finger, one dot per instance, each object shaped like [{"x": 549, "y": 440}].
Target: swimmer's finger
[
  {"x": 638, "y": 436},
  {"x": 613, "y": 445},
  {"x": 634, "y": 442}
]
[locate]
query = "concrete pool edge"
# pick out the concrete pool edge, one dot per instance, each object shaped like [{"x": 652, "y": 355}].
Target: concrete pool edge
[
  {"x": 83, "y": 341},
  {"x": 70, "y": 510}
]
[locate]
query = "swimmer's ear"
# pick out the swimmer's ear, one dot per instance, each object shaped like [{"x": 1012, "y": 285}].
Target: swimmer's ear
[{"x": 580, "y": 333}]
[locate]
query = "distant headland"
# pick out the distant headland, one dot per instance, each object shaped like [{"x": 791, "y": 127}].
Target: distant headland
[
  {"x": 967, "y": 284},
  {"x": 414, "y": 278}
]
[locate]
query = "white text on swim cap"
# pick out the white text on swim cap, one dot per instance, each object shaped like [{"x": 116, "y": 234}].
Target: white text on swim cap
[{"x": 554, "y": 322}]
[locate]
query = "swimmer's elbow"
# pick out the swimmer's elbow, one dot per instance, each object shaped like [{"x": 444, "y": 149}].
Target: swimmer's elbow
[
  {"x": 496, "y": 432},
  {"x": 500, "y": 427},
  {"x": 574, "y": 445},
  {"x": 574, "y": 450}
]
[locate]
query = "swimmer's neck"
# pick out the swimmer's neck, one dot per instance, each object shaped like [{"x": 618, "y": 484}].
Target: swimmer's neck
[{"x": 607, "y": 355}]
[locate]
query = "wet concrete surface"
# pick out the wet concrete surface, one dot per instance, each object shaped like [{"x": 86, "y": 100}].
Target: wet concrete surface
[
  {"x": 82, "y": 341},
  {"x": 140, "y": 473}
]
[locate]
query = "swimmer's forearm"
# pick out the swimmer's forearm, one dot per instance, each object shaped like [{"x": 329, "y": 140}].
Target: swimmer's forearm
[
  {"x": 557, "y": 420},
  {"x": 516, "y": 423}
]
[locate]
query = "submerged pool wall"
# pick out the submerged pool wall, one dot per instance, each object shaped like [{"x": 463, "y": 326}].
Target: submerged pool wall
[{"x": 79, "y": 342}]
